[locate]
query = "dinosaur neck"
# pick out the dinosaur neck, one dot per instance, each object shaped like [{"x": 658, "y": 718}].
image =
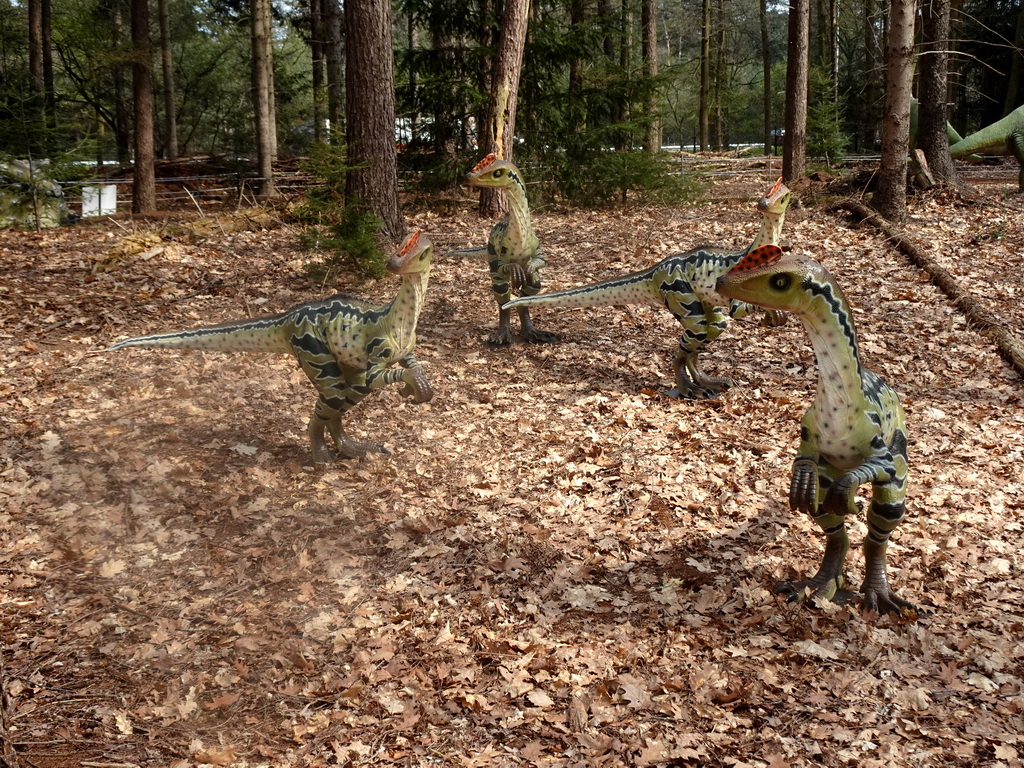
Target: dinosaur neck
[
  {"x": 519, "y": 208},
  {"x": 771, "y": 230},
  {"x": 404, "y": 310},
  {"x": 834, "y": 338}
]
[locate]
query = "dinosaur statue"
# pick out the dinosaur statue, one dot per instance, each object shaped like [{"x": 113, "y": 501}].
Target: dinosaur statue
[
  {"x": 345, "y": 345},
  {"x": 1003, "y": 137},
  {"x": 685, "y": 285},
  {"x": 853, "y": 433},
  {"x": 513, "y": 251}
]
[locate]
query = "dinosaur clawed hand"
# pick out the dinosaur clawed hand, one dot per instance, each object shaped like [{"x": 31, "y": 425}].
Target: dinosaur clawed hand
[
  {"x": 416, "y": 386},
  {"x": 803, "y": 487}
]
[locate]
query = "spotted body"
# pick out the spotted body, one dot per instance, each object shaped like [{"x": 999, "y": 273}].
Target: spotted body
[
  {"x": 513, "y": 250},
  {"x": 345, "y": 345},
  {"x": 685, "y": 285},
  {"x": 854, "y": 432}
]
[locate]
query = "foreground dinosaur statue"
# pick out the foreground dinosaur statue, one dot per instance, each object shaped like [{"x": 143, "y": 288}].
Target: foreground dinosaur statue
[
  {"x": 685, "y": 285},
  {"x": 853, "y": 433},
  {"x": 345, "y": 345},
  {"x": 1003, "y": 137},
  {"x": 512, "y": 249}
]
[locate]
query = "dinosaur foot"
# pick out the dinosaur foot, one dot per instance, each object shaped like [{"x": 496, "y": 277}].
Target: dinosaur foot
[
  {"x": 694, "y": 392},
  {"x": 536, "y": 336},
  {"x": 356, "y": 449},
  {"x": 814, "y": 592},
  {"x": 884, "y": 600},
  {"x": 500, "y": 338}
]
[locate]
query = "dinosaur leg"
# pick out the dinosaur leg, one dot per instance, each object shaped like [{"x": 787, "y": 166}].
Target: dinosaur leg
[
  {"x": 1017, "y": 146},
  {"x": 691, "y": 382},
  {"x": 340, "y": 388},
  {"x": 502, "y": 337},
  {"x": 828, "y": 582},
  {"x": 884, "y": 514},
  {"x": 531, "y": 287}
]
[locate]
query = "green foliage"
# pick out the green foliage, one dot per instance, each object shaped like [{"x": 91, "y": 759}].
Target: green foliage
[
  {"x": 595, "y": 176},
  {"x": 343, "y": 228},
  {"x": 825, "y": 137}
]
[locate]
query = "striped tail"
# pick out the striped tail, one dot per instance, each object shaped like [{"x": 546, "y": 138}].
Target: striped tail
[
  {"x": 630, "y": 289},
  {"x": 267, "y": 334}
]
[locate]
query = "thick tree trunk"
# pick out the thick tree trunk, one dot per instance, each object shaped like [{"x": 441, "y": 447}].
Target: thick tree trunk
[
  {"x": 501, "y": 106},
  {"x": 649, "y": 41},
  {"x": 1013, "y": 85},
  {"x": 371, "y": 113},
  {"x": 262, "y": 95},
  {"x": 932, "y": 137},
  {"x": 334, "y": 53},
  {"x": 890, "y": 199},
  {"x": 144, "y": 180},
  {"x": 794, "y": 152},
  {"x": 35, "y": 61},
  {"x": 167, "y": 62},
  {"x": 766, "y": 75},
  {"x": 703, "y": 106}
]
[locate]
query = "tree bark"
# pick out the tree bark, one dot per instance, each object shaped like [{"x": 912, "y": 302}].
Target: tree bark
[
  {"x": 317, "y": 34},
  {"x": 869, "y": 120},
  {"x": 35, "y": 63},
  {"x": 890, "y": 199},
  {"x": 144, "y": 179},
  {"x": 649, "y": 41},
  {"x": 501, "y": 105},
  {"x": 334, "y": 54},
  {"x": 794, "y": 151},
  {"x": 167, "y": 62},
  {"x": 262, "y": 95},
  {"x": 703, "y": 106},
  {"x": 766, "y": 75},
  {"x": 1013, "y": 97},
  {"x": 932, "y": 137},
  {"x": 371, "y": 113}
]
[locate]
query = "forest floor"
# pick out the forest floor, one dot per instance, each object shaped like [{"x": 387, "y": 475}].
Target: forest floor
[{"x": 557, "y": 566}]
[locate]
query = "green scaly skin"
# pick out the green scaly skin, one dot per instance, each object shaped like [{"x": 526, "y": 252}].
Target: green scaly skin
[
  {"x": 1003, "y": 137},
  {"x": 513, "y": 251},
  {"x": 345, "y": 345},
  {"x": 854, "y": 433},
  {"x": 685, "y": 285}
]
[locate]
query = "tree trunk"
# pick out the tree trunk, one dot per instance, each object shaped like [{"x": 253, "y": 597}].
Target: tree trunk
[
  {"x": 649, "y": 23},
  {"x": 577, "y": 104},
  {"x": 1013, "y": 97},
  {"x": 890, "y": 199},
  {"x": 144, "y": 179},
  {"x": 259, "y": 12},
  {"x": 604, "y": 11},
  {"x": 334, "y": 53},
  {"x": 317, "y": 34},
  {"x": 49, "y": 91},
  {"x": 869, "y": 119},
  {"x": 371, "y": 113},
  {"x": 703, "y": 107},
  {"x": 167, "y": 61},
  {"x": 35, "y": 64},
  {"x": 794, "y": 148},
  {"x": 932, "y": 137},
  {"x": 766, "y": 74},
  {"x": 718, "y": 137},
  {"x": 501, "y": 105}
]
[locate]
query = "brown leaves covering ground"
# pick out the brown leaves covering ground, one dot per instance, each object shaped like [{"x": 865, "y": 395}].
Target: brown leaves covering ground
[{"x": 557, "y": 567}]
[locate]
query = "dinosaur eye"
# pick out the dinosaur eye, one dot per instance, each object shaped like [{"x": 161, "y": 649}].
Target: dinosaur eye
[
  {"x": 781, "y": 282},
  {"x": 498, "y": 172}
]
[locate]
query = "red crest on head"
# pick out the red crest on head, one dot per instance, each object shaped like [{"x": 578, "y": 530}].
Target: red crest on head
[
  {"x": 410, "y": 242},
  {"x": 758, "y": 257},
  {"x": 484, "y": 163},
  {"x": 773, "y": 190}
]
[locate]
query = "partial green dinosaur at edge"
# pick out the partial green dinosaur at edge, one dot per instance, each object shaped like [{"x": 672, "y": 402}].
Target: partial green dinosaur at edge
[{"x": 1003, "y": 137}]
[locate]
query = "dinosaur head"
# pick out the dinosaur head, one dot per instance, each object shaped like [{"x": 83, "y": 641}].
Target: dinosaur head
[
  {"x": 776, "y": 200},
  {"x": 413, "y": 256},
  {"x": 765, "y": 278},
  {"x": 493, "y": 172}
]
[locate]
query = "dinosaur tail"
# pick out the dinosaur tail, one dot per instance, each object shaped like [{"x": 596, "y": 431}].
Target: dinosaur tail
[
  {"x": 259, "y": 335},
  {"x": 630, "y": 289}
]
